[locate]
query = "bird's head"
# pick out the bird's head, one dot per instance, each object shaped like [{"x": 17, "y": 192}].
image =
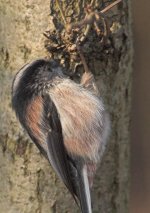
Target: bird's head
[
  {"x": 35, "y": 77},
  {"x": 33, "y": 80}
]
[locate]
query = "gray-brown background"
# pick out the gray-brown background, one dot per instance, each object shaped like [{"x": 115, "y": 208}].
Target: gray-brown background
[
  {"x": 140, "y": 172},
  {"x": 140, "y": 154}
]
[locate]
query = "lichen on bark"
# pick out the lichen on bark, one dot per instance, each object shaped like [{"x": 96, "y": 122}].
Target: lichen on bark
[{"x": 27, "y": 182}]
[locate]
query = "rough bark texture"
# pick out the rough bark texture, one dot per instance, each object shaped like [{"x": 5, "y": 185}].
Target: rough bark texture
[{"x": 27, "y": 182}]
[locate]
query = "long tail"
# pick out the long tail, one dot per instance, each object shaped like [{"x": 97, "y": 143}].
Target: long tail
[{"x": 84, "y": 190}]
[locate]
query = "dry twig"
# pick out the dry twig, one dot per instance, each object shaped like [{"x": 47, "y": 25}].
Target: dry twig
[{"x": 91, "y": 18}]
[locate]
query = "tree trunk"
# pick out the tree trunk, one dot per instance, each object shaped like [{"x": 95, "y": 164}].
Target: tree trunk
[{"x": 27, "y": 182}]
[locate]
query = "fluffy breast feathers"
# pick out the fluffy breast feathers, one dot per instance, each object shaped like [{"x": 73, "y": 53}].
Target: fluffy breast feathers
[{"x": 83, "y": 119}]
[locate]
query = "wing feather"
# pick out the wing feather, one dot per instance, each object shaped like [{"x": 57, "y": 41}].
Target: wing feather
[{"x": 56, "y": 150}]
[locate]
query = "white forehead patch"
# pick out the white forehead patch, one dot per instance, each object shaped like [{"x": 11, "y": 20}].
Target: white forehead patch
[{"x": 19, "y": 75}]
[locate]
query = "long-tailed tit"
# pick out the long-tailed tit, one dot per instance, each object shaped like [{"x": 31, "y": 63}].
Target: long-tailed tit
[{"x": 66, "y": 120}]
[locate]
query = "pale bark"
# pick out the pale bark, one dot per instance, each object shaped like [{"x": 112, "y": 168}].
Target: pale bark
[{"x": 27, "y": 182}]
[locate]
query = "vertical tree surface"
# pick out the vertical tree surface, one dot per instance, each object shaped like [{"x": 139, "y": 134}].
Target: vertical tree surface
[{"x": 27, "y": 182}]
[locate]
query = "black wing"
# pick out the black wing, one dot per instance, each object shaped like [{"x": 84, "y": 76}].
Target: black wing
[{"x": 56, "y": 151}]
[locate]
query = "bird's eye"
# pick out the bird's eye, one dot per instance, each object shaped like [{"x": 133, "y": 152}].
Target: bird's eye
[{"x": 48, "y": 68}]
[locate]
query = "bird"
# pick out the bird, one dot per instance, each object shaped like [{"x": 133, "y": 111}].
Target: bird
[{"x": 66, "y": 120}]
